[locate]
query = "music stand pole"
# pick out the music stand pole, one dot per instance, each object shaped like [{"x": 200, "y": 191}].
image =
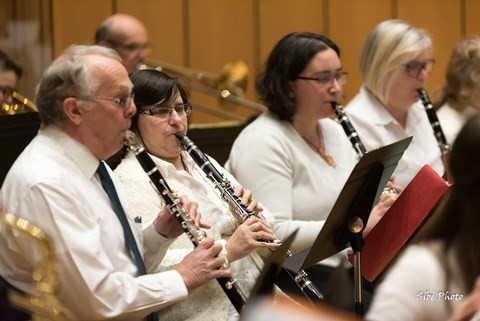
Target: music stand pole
[{"x": 355, "y": 225}]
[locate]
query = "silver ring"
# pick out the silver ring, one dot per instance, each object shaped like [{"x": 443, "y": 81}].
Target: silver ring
[{"x": 388, "y": 190}]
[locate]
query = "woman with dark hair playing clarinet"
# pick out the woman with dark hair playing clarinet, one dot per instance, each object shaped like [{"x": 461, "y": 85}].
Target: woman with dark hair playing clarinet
[
  {"x": 294, "y": 157},
  {"x": 163, "y": 106}
]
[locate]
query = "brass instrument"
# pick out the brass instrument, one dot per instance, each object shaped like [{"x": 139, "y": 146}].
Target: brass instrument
[
  {"x": 229, "y": 86},
  {"x": 20, "y": 104},
  {"x": 43, "y": 304}
]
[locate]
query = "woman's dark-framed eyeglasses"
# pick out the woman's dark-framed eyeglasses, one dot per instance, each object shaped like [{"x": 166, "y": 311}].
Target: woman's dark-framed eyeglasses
[
  {"x": 326, "y": 79},
  {"x": 164, "y": 112},
  {"x": 414, "y": 68}
]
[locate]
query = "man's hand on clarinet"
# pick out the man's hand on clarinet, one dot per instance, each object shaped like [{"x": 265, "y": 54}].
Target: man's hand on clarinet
[{"x": 203, "y": 264}]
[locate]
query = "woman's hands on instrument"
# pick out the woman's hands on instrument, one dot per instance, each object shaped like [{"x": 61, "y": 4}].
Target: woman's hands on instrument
[
  {"x": 249, "y": 236},
  {"x": 246, "y": 199},
  {"x": 167, "y": 225}
]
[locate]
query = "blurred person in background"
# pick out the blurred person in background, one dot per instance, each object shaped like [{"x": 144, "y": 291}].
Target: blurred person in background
[
  {"x": 459, "y": 98},
  {"x": 127, "y": 36}
]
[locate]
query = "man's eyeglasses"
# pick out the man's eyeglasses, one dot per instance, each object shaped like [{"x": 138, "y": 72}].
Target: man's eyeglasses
[
  {"x": 164, "y": 112},
  {"x": 121, "y": 102},
  {"x": 414, "y": 68},
  {"x": 6, "y": 91},
  {"x": 132, "y": 47},
  {"x": 326, "y": 79}
]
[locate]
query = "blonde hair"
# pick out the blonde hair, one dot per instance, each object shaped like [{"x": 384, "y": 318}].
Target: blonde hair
[
  {"x": 387, "y": 48},
  {"x": 462, "y": 75}
]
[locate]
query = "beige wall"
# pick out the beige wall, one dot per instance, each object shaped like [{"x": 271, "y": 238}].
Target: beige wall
[{"x": 206, "y": 34}]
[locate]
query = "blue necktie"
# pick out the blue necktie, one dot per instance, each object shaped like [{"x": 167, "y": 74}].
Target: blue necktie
[{"x": 131, "y": 244}]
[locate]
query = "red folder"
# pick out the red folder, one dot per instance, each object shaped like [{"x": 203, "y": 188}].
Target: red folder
[{"x": 399, "y": 224}]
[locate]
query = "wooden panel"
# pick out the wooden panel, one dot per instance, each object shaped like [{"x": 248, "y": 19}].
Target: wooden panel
[
  {"x": 22, "y": 36},
  {"x": 207, "y": 34},
  {"x": 6, "y": 15},
  {"x": 280, "y": 17},
  {"x": 75, "y": 22},
  {"x": 220, "y": 32},
  {"x": 472, "y": 21},
  {"x": 350, "y": 22},
  {"x": 441, "y": 18},
  {"x": 165, "y": 23}
]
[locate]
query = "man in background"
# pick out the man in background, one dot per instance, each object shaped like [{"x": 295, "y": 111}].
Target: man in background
[{"x": 127, "y": 36}]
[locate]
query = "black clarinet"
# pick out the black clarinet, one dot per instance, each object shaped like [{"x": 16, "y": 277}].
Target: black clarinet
[
  {"x": 352, "y": 135},
  {"x": 434, "y": 122},
  {"x": 347, "y": 126},
  {"x": 173, "y": 202},
  {"x": 226, "y": 191}
]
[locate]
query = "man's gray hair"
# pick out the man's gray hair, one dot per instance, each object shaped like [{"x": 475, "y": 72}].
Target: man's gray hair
[{"x": 67, "y": 76}]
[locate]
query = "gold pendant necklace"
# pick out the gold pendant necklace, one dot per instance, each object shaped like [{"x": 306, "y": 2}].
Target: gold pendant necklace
[{"x": 321, "y": 151}]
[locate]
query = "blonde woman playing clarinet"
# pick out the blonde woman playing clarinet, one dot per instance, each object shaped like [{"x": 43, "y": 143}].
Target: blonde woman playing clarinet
[{"x": 395, "y": 62}]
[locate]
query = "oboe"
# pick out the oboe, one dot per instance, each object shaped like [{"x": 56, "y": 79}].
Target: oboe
[
  {"x": 226, "y": 191},
  {"x": 434, "y": 122},
  {"x": 172, "y": 201},
  {"x": 349, "y": 129}
]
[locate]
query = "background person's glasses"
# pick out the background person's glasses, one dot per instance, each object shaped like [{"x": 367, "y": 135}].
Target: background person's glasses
[
  {"x": 326, "y": 79},
  {"x": 164, "y": 112},
  {"x": 121, "y": 102},
  {"x": 132, "y": 47},
  {"x": 414, "y": 68}
]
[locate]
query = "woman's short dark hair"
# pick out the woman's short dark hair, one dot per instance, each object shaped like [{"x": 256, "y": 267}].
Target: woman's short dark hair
[
  {"x": 287, "y": 60},
  {"x": 152, "y": 87},
  {"x": 7, "y": 63}
]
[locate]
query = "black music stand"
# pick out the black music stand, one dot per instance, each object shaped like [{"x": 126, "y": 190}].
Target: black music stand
[{"x": 346, "y": 221}]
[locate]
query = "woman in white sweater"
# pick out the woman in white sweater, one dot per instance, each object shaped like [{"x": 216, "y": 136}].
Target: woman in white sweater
[
  {"x": 163, "y": 106},
  {"x": 295, "y": 157}
]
